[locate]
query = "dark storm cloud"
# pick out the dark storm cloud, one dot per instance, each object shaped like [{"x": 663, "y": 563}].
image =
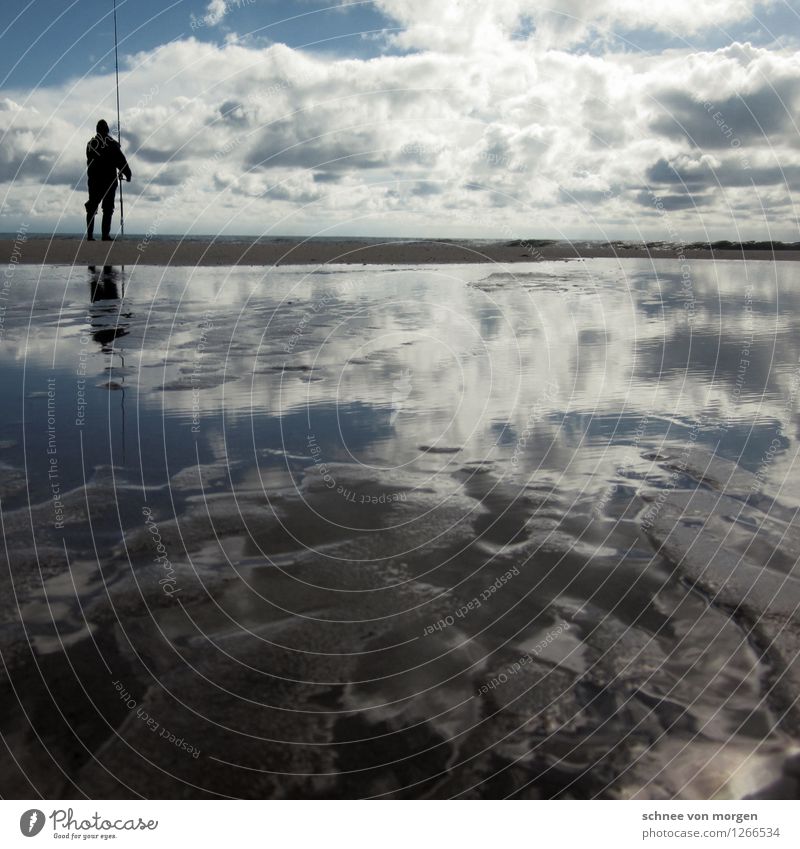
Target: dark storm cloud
[
  {"x": 662, "y": 172},
  {"x": 21, "y": 165},
  {"x": 672, "y": 202},
  {"x": 233, "y": 112},
  {"x": 157, "y": 156},
  {"x": 713, "y": 124},
  {"x": 699, "y": 175}
]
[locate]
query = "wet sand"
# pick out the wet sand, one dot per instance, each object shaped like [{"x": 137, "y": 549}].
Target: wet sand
[{"x": 137, "y": 250}]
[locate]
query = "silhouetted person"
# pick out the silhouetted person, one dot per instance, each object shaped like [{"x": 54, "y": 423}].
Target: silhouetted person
[{"x": 104, "y": 159}]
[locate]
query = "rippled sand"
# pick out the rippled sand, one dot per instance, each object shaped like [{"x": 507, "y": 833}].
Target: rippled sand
[{"x": 401, "y": 531}]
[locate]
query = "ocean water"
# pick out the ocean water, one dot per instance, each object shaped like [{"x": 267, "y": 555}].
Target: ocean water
[{"x": 371, "y": 531}]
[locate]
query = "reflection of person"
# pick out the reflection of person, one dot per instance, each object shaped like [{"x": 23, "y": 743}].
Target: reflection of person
[
  {"x": 104, "y": 158},
  {"x": 103, "y": 284},
  {"x": 107, "y": 319}
]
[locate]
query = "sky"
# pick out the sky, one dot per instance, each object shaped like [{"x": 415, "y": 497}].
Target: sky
[{"x": 669, "y": 120}]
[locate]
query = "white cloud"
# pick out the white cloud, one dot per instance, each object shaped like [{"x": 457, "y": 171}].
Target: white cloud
[
  {"x": 502, "y": 137},
  {"x": 460, "y": 24},
  {"x": 215, "y": 12}
]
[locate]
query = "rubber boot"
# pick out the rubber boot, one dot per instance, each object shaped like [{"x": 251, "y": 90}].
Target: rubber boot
[
  {"x": 106, "y": 225},
  {"x": 89, "y": 227}
]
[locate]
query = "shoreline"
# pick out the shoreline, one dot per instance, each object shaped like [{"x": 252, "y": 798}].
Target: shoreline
[{"x": 127, "y": 251}]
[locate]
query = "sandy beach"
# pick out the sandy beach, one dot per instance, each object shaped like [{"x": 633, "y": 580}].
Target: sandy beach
[{"x": 137, "y": 250}]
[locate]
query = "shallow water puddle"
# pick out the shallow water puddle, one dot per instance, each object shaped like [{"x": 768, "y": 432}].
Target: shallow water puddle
[{"x": 455, "y": 531}]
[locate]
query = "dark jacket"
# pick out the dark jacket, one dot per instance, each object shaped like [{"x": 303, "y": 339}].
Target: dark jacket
[{"x": 104, "y": 158}]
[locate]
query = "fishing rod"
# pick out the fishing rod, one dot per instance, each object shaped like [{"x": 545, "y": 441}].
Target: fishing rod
[{"x": 119, "y": 126}]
